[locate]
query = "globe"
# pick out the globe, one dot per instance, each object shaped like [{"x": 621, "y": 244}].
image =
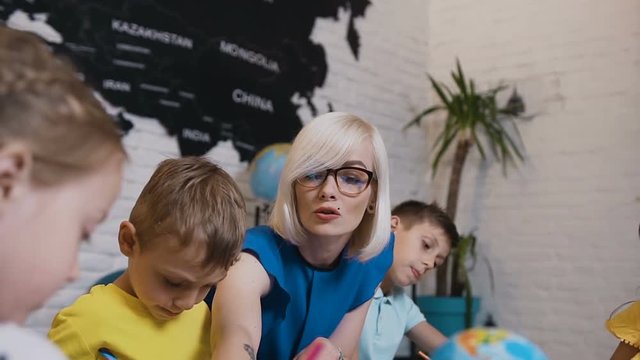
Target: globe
[
  {"x": 488, "y": 344},
  {"x": 266, "y": 168}
]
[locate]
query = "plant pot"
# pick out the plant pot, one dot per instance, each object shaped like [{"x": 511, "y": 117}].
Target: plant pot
[{"x": 447, "y": 313}]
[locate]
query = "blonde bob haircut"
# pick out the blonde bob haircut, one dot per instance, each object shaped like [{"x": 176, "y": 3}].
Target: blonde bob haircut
[{"x": 327, "y": 143}]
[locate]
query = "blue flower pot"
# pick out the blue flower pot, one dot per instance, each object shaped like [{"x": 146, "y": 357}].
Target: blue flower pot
[{"x": 447, "y": 313}]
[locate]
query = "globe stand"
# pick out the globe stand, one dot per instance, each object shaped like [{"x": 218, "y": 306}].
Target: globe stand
[{"x": 262, "y": 213}]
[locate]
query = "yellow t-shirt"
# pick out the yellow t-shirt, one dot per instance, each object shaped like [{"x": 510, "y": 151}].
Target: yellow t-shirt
[
  {"x": 107, "y": 317},
  {"x": 626, "y": 326}
]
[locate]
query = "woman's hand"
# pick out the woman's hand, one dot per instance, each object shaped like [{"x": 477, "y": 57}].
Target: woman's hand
[{"x": 321, "y": 349}]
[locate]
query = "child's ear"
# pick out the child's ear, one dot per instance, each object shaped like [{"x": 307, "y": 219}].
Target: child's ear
[
  {"x": 127, "y": 239},
  {"x": 395, "y": 221},
  {"x": 16, "y": 167}
]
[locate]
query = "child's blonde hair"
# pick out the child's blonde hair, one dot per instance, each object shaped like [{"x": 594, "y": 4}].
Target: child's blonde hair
[
  {"x": 326, "y": 143},
  {"x": 197, "y": 202},
  {"x": 44, "y": 105}
]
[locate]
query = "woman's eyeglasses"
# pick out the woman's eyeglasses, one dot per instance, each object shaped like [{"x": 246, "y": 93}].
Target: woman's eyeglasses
[{"x": 350, "y": 180}]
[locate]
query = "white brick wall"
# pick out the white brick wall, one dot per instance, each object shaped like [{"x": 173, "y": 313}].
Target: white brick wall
[
  {"x": 386, "y": 87},
  {"x": 561, "y": 231}
]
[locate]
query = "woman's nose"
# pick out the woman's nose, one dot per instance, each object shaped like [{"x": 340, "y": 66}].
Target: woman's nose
[{"x": 328, "y": 189}]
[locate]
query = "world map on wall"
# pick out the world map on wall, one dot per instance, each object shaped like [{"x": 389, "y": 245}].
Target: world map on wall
[{"x": 206, "y": 70}]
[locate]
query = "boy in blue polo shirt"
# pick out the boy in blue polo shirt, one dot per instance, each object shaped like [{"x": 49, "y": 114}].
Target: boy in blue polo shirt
[{"x": 424, "y": 235}]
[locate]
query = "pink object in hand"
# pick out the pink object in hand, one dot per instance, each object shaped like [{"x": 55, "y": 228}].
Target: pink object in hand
[{"x": 315, "y": 350}]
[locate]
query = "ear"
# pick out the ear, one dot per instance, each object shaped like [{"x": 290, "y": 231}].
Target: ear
[
  {"x": 371, "y": 206},
  {"x": 127, "y": 239},
  {"x": 16, "y": 167},
  {"x": 374, "y": 192},
  {"x": 395, "y": 222}
]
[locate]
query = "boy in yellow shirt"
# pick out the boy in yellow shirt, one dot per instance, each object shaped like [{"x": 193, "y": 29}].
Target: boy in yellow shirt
[{"x": 183, "y": 234}]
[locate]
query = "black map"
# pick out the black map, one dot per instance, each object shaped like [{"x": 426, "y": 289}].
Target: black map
[{"x": 208, "y": 70}]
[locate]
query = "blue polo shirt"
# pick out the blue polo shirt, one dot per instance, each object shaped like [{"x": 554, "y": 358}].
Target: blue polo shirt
[
  {"x": 388, "y": 320},
  {"x": 306, "y": 302}
]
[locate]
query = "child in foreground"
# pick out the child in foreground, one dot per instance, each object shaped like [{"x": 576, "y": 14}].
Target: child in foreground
[
  {"x": 424, "y": 236},
  {"x": 183, "y": 234},
  {"x": 58, "y": 149}
]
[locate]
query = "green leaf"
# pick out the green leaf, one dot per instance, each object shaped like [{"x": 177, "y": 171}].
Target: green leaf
[
  {"x": 460, "y": 80},
  {"x": 416, "y": 120},
  {"x": 441, "y": 95},
  {"x": 513, "y": 148},
  {"x": 514, "y": 126},
  {"x": 478, "y": 143},
  {"x": 446, "y": 142}
]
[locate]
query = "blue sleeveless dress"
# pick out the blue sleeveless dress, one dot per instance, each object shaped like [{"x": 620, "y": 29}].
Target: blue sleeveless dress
[{"x": 306, "y": 302}]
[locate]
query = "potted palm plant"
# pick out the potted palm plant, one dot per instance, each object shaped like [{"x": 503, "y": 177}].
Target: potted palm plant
[{"x": 473, "y": 120}]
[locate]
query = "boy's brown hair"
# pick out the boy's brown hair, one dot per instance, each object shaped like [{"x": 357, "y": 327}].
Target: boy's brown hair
[
  {"x": 413, "y": 212},
  {"x": 196, "y": 201},
  {"x": 45, "y": 105}
]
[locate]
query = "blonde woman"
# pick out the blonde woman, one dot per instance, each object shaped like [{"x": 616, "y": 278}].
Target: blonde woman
[{"x": 303, "y": 285}]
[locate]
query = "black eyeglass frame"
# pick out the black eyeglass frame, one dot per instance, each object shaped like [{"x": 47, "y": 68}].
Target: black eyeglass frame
[{"x": 370, "y": 177}]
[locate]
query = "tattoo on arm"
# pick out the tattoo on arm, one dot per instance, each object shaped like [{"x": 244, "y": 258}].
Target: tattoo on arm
[{"x": 250, "y": 351}]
